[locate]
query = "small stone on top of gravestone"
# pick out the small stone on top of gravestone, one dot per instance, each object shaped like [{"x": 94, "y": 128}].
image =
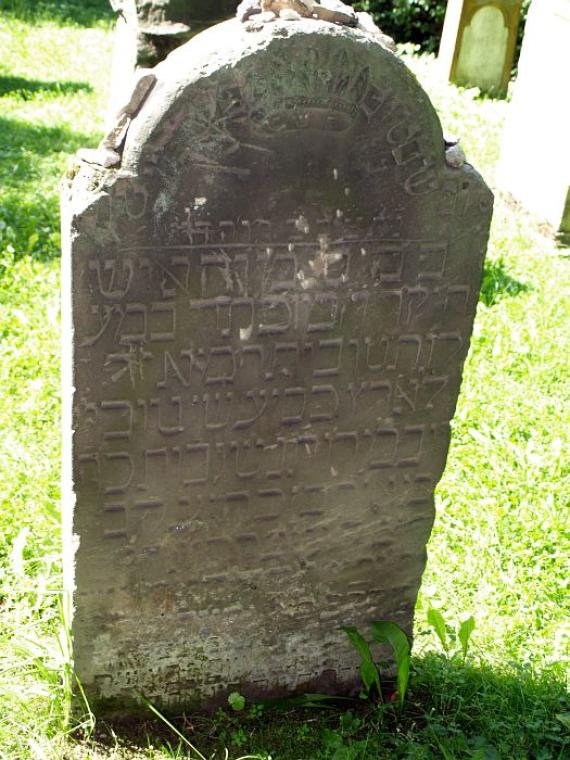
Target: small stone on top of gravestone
[
  {"x": 334, "y": 11},
  {"x": 267, "y": 305},
  {"x": 107, "y": 154}
]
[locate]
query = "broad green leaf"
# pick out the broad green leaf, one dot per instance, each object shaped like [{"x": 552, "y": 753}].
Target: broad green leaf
[
  {"x": 369, "y": 675},
  {"x": 358, "y": 641},
  {"x": 386, "y": 632},
  {"x": 236, "y": 701},
  {"x": 465, "y": 630},
  {"x": 435, "y": 619},
  {"x": 368, "y": 670}
]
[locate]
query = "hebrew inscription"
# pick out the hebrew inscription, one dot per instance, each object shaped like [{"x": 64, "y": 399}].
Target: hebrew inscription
[
  {"x": 272, "y": 300},
  {"x": 273, "y": 354}
]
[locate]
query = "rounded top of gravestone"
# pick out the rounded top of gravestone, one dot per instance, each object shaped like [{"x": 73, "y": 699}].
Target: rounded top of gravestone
[
  {"x": 327, "y": 53},
  {"x": 303, "y": 119}
]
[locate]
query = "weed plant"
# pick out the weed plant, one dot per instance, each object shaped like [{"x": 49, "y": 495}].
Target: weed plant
[{"x": 500, "y": 544}]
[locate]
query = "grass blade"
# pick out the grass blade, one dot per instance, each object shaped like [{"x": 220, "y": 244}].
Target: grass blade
[{"x": 173, "y": 728}]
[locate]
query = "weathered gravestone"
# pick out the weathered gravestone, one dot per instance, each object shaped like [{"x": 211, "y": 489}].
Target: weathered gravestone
[
  {"x": 271, "y": 301},
  {"x": 535, "y": 150},
  {"x": 478, "y": 43}
]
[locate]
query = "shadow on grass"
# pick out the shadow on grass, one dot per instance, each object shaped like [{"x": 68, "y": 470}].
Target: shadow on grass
[
  {"x": 64, "y": 12},
  {"x": 498, "y": 283},
  {"x": 563, "y": 243},
  {"x": 452, "y": 710},
  {"x": 32, "y": 162},
  {"x": 23, "y": 140},
  {"x": 27, "y": 88}
]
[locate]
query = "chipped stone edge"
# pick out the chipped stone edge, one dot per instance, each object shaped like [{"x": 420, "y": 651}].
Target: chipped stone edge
[{"x": 109, "y": 151}]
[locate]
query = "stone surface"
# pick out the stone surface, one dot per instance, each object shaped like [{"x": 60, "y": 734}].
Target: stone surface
[
  {"x": 478, "y": 43},
  {"x": 535, "y": 150},
  {"x": 269, "y": 304}
]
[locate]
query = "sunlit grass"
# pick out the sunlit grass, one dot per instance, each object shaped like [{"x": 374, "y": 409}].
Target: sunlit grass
[{"x": 53, "y": 84}]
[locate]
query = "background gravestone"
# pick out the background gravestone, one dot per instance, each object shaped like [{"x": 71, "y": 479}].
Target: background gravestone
[
  {"x": 535, "y": 151},
  {"x": 160, "y": 26},
  {"x": 478, "y": 43},
  {"x": 148, "y": 30},
  {"x": 269, "y": 302}
]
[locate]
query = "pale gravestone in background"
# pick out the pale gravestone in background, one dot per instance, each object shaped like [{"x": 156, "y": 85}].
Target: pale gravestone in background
[
  {"x": 271, "y": 301},
  {"x": 478, "y": 43},
  {"x": 535, "y": 151}
]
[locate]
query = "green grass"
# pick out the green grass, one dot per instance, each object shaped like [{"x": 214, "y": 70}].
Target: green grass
[
  {"x": 61, "y": 12},
  {"x": 500, "y": 544}
]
